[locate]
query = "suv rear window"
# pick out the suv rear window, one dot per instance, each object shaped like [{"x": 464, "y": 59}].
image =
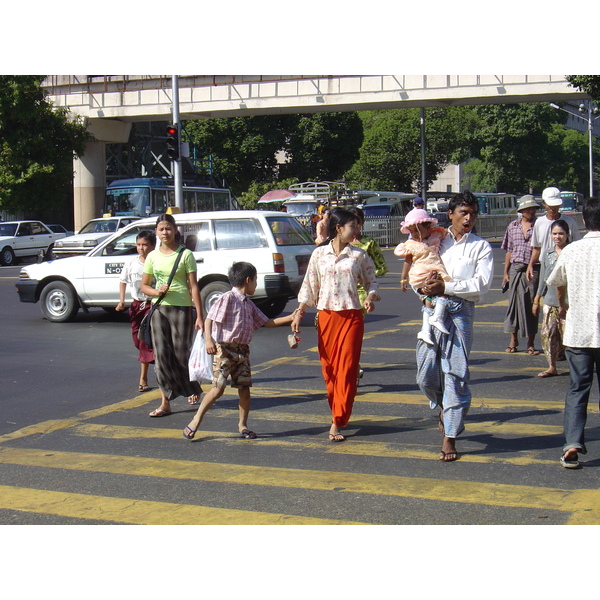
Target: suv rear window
[{"x": 287, "y": 231}]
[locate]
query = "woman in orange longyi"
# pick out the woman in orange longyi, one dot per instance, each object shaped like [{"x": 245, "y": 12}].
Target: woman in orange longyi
[{"x": 335, "y": 269}]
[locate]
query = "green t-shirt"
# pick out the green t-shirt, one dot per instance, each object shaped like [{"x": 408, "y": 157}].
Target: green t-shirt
[{"x": 160, "y": 265}]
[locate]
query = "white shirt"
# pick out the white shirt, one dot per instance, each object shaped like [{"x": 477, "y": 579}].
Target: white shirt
[
  {"x": 470, "y": 263},
  {"x": 132, "y": 275},
  {"x": 331, "y": 281},
  {"x": 578, "y": 269},
  {"x": 541, "y": 238}
]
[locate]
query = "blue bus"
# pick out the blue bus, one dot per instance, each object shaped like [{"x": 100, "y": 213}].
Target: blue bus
[
  {"x": 495, "y": 203},
  {"x": 143, "y": 197},
  {"x": 572, "y": 202}
]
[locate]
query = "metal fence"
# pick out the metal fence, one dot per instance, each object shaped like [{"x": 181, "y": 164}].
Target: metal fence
[{"x": 386, "y": 230}]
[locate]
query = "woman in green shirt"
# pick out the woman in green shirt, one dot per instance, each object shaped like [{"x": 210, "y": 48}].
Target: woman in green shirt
[{"x": 173, "y": 322}]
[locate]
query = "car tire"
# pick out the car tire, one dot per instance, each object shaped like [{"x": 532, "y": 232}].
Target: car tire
[
  {"x": 273, "y": 307},
  {"x": 59, "y": 302},
  {"x": 7, "y": 257},
  {"x": 211, "y": 292},
  {"x": 49, "y": 255}
]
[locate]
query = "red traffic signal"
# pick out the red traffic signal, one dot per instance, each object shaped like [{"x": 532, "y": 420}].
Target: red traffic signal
[{"x": 173, "y": 142}]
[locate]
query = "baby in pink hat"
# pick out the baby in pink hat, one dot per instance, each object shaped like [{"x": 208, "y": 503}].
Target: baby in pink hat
[{"x": 421, "y": 260}]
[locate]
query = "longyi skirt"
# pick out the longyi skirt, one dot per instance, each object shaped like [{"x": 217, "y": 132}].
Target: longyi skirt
[
  {"x": 340, "y": 343},
  {"x": 172, "y": 338}
]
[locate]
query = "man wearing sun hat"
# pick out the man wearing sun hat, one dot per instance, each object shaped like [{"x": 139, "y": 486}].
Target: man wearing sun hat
[
  {"x": 521, "y": 291},
  {"x": 541, "y": 240}
]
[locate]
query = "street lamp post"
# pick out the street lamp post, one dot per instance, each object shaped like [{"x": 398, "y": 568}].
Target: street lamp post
[{"x": 591, "y": 111}]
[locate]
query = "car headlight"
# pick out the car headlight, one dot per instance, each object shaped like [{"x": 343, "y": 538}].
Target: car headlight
[
  {"x": 90, "y": 243},
  {"x": 58, "y": 244},
  {"x": 23, "y": 274}
]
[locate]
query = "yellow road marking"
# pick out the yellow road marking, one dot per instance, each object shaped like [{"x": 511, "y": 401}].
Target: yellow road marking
[
  {"x": 290, "y": 442},
  {"x": 142, "y": 512},
  {"x": 466, "y": 492}
]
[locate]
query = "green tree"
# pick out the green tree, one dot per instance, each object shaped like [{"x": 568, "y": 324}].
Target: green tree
[
  {"x": 511, "y": 141},
  {"x": 244, "y": 148},
  {"x": 316, "y": 146},
  {"x": 390, "y": 156},
  {"x": 322, "y": 146},
  {"x": 590, "y": 84},
  {"x": 37, "y": 147}
]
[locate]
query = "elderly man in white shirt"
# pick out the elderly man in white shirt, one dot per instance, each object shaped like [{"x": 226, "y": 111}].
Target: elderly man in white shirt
[
  {"x": 443, "y": 369},
  {"x": 577, "y": 272},
  {"x": 541, "y": 240}
]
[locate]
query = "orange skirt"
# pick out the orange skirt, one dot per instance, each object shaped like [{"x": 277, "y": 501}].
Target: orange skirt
[{"x": 340, "y": 342}]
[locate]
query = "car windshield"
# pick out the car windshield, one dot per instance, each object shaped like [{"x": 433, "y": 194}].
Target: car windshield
[
  {"x": 375, "y": 210},
  {"x": 288, "y": 232},
  {"x": 99, "y": 227},
  {"x": 301, "y": 208},
  {"x": 8, "y": 229}
]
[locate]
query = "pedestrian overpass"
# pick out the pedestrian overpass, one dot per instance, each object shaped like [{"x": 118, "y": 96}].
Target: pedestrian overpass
[{"x": 108, "y": 104}]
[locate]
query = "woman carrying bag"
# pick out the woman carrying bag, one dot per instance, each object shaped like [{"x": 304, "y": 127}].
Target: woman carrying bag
[{"x": 173, "y": 323}]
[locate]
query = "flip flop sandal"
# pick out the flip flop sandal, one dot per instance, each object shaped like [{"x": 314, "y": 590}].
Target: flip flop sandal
[
  {"x": 144, "y": 388},
  {"x": 191, "y": 434},
  {"x": 247, "y": 434},
  {"x": 546, "y": 374},
  {"x": 196, "y": 401},
  {"x": 532, "y": 351},
  {"x": 511, "y": 349},
  {"x": 336, "y": 437},
  {"x": 159, "y": 412}
]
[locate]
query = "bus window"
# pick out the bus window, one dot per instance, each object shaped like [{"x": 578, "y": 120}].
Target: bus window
[{"x": 124, "y": 202}]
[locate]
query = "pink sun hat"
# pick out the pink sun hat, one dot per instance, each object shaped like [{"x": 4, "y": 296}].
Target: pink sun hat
[{"x": 416, "y": 215}]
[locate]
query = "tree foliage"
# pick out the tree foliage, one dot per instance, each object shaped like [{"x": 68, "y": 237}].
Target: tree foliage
[
  {"x": 37, "y": 146},
  {"x": 512, "y": 144},
  {"x": 590, "y": 84},
  {"x": 317, "y": 146},
  {"x": 390, "y": 156}
]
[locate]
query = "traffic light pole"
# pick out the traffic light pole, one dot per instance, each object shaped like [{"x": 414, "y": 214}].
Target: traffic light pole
[{"x": 176, "y": 163}]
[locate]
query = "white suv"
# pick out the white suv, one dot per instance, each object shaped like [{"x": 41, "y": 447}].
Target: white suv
[{"x": 274, "y": 242}]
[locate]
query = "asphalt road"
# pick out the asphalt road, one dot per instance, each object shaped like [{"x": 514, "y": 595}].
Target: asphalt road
[{"x": 77, "y": 445}]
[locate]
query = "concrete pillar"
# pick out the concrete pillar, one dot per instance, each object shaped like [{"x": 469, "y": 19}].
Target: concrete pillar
[
  {"x": 89, "y": 183},
  {"x": 89, "y": 178}
]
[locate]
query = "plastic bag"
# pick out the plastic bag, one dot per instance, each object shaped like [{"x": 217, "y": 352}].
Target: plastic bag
[{"x": 200, "y": 364}]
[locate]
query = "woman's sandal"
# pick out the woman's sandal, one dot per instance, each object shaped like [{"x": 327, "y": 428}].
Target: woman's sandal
[
  {"x": 511, "y": 349},
  {"x": 144, "y": 388},
  {"x": 547, "y": 374},
  {"x": 191, "y": 434},
  {"x": 532, "y": 351},
  {"x": 336, "y": 437}
]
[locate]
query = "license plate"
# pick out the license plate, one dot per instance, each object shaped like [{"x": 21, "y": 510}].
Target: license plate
[{"x": 113, "y": 268}]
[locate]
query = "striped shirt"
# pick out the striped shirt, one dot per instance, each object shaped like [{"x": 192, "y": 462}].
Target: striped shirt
[{"x": 235, "y": 317}]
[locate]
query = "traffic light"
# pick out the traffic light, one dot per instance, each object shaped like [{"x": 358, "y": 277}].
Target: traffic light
[{"x": 173, "y": 142}]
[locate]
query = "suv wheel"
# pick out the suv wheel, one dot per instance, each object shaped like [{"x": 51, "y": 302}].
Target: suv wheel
[
  {"x": 59, "y": 302},
  {"x": 211, "y": 292}
]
